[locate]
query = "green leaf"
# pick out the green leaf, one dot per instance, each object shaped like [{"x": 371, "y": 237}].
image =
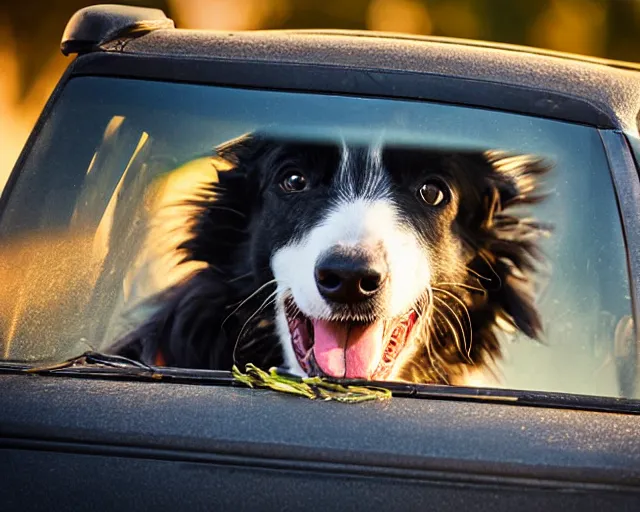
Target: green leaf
[{"x": 314, "y": 388}]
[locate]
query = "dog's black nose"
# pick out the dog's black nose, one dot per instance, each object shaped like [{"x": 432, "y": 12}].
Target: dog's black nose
[{"x": 350, "y": 276}]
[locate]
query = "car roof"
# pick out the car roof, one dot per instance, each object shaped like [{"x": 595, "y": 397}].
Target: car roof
[
  {"x": 544, "y": 80},
  {"x": 605, "y": 86}
]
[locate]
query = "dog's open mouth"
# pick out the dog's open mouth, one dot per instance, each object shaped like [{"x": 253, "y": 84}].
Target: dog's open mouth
[{"x": 353, "y": 350}]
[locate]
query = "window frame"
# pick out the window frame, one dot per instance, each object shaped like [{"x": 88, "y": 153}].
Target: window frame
[{"x": 626, "y": 183}]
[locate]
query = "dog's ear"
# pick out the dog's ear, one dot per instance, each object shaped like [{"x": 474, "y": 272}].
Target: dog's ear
[
  {"x": 506, "y": 244},
  {"x": 517, "y": 177},
  {"x": 243, "y": 160},
  {"x": 238, "y": 165}
]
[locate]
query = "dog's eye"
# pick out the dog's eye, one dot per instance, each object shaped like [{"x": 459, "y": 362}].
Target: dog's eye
[
  {"x": 294, "y": 182},
  {"x": 433, "y": 193}
]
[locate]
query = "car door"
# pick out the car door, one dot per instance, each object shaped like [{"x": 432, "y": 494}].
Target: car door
[{"x": 558, "y": 429}]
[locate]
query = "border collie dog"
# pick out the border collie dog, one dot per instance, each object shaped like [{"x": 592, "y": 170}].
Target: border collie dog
[{"x": 379, "y": 262}]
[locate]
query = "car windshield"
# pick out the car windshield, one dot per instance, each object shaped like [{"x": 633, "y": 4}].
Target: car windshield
[{"x": 87, "y": 235}]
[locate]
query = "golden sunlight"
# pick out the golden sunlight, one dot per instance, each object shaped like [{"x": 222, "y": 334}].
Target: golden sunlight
[
  {"x": 409, "y": 16},
  {"x": 44, "y": 277},
  {"x": 19, "y": 112},
  {"x": 576, "y": 26},
  {"x": 229, "y": 14}
]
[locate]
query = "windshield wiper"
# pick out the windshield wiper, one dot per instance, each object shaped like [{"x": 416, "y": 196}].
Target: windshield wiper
[
  {"x": 92, "y": 363},
  {"x": 91, "y": 358},
  {"x": 555, "y": 400}
]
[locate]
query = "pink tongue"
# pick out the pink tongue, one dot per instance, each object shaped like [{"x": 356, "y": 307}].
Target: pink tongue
[{"x": 347, "y": 351}]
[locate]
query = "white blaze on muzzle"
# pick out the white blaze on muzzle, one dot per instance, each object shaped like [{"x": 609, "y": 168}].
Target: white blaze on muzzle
[{"x": 360, "y": 224}]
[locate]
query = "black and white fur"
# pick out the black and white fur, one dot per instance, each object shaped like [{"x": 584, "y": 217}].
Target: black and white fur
[{"x": 466, "y": 265}]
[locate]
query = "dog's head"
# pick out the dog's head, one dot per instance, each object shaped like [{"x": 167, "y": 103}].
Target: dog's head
[{"x": 388, "y": 262}]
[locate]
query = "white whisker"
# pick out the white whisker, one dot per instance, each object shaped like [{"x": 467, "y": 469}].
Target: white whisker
[
  {"x": 457, "y": 338},
  {"x": 466, "y": 310},
  {"x": 462, "y": 285},
  {"x": 243, "y": 302},
  {"x": 269, "y": 300},
  {"x": 434, "y": 357}
]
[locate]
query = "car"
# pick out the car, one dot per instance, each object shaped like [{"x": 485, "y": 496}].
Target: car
[{"x": 132, "y": 123}]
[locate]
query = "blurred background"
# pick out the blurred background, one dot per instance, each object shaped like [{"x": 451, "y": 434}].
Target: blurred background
[{"x": 30, "y": 33}]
